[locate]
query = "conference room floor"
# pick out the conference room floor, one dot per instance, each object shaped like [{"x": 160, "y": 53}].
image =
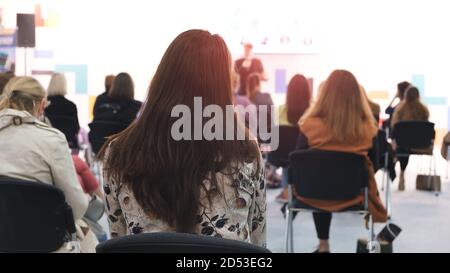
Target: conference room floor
[{"x": 423, "y": 217}]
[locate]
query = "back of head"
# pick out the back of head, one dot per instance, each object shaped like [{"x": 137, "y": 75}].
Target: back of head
[
  {"x": 401, "y": 89},
  {"x": 196, "y": 64},
  {"x": 253, "y": 84},
  {"x": 122, "y": 88},
  {"x": 412, "y": 94},
  {"x": 22, "y": 93},
  {"x": 343, "y": 107},
  {"x": 57, "y": 85},
  {"x": 4, "y": 79},
  {"x": 298, "y": 98},
  {"x": 108, "y": 82}
]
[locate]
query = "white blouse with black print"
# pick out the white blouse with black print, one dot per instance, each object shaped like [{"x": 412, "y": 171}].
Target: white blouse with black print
[{"x": 238, "y": 210}]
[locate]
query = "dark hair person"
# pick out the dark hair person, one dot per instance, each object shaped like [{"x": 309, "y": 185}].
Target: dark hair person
[
  {"x": 410, "y": 109},
  {"x": 155, "y": 183},
  {"x": 119, "y": 104},
  {"x": 298, "y": 100}
]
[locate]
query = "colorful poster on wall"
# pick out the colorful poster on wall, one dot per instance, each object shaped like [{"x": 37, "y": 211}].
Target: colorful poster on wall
[{"x": 7, "y": 49}]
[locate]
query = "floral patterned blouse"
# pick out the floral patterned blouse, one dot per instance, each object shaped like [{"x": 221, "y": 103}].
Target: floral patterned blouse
[{"x": 238, "y": 211}]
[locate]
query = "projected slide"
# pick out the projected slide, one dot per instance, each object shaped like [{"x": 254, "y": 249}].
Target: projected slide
[{"x": 271, "y": 33}]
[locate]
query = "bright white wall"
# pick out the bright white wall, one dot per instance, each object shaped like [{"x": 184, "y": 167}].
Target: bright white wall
[{"x": 382, "y": 42}]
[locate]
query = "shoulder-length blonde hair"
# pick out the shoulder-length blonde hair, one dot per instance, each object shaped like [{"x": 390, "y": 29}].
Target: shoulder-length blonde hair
[
  {"x": 23, "y": 94},
  {"x": 343, "y": 107},
  {"x": 57, "y": 85}
]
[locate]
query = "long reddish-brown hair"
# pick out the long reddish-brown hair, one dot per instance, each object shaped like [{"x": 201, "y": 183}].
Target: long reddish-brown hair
[
  {"x": 166, "y": 176},
  {"x": 298, "y": 98},
  {"x": 343, "y": 107}
]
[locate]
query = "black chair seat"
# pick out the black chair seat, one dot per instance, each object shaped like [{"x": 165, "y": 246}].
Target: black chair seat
[
  {"x": 297, "y": 204},
  {"x": 288, "y": 140},
  {"x": 34, "y": 217},
  {"x": 176, "y": 243}
]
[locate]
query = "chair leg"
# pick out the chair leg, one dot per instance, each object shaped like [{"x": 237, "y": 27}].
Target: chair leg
[
  {"x": 289, "y": 223},
  {"x": 289, "y": 239},
  {"x": 388, "y": 195},
  {"x": 373, "y": 246}
]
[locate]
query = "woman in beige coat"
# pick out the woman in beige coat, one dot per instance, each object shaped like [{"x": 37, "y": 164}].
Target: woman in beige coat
[{"x": 33, "y": 151}]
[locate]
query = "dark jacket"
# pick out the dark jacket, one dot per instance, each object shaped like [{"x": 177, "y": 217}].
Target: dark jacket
[
  {"x": 101, "y": 99},
  {"x": 117, "y": 110},
  {"x": 63, "y": 115}
]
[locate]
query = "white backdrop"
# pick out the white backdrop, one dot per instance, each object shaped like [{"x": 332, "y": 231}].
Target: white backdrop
[{"x": 382, "y": 42}]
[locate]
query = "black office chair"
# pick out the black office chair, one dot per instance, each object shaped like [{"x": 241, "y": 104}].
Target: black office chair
[
  {"x": 34, "y": 217},
  {"x": 69, "y": 127},
  {"x": 326, "y": 175},
  {"x": 288, "y": 136},
  {"x": 100, "y": 130},
  {"x": 176, "y": 243},
  {"x": 416, "y": 138}
]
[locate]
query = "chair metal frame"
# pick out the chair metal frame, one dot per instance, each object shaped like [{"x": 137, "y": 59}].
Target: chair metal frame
[{"x": 373, "y": 246}]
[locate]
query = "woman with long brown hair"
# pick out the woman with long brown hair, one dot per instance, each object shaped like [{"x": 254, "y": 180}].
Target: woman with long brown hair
[
  {"x": 341, "y": 120},
  {"x": 155, "y": 183},
  {"x": 298, "y": 100}
]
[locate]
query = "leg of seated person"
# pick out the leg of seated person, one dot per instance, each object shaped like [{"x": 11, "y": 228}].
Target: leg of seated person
[
  {"x": 403, "y": 164},
  {"x": 322, "y": 221}
]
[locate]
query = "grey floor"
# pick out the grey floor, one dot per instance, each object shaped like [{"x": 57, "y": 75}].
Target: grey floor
[{"x": 424, "y": 218}]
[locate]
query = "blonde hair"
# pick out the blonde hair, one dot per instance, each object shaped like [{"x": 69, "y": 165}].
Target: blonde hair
[
  {"x": 22, "y": 93},
  {"x": 343, "y": 107},
  {"x": 57, "y": 85}
]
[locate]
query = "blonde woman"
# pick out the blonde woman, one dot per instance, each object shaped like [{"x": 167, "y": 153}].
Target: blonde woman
[
  {"x": 44, "y": 153},
  {"x": 341, "y": 120},
  {"x": 61, "y": 112}
]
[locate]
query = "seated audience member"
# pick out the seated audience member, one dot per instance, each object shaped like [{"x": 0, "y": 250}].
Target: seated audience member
[
  {"x": 254, "y": 91},
  {"x": 37, "y": 152},
  {"x": 61, "y": 112},
  {"x": 445, "y": 146},
  {"x": 341, "y": 120},
  {"x": 4, "y": 79},
  {"x": 103, "y": 97},
  {"x": 298, "y": 99},
  {"x": 155, "y": 183},
  {"x": 410, "y": 109},
  {"x": 374, "y": 107},
  {"x": 120, "y": 105},
  {"x": 401, "y": 88}
]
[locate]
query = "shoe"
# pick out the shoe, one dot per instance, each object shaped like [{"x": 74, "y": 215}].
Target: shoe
[
  {"x": 401, "y": 183},
  {"x": 282, "y": 197}
]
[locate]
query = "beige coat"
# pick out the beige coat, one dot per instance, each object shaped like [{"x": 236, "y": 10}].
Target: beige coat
[{"x": 37, "y": 152}]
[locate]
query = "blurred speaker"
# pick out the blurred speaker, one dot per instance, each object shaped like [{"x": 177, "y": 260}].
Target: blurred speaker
[{"x": 26, "y": 30}]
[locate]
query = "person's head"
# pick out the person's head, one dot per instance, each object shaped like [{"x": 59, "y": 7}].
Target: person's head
[
  {"x": 412, "y": 94},
  {"x": 248, "y": 50},
  {"x": 122, "y": 88},
  {"x": 24, "y": 94},
  {"x": 253, "y": 84},
  {"x": 4, "y": 79},
  {"x": 57, "y": 85},
  {"x": 108, "y": 82},
  {"x": 298, "y": 98},
  {"x": 166, "y": 175},
  {"x": 343, "y": 107},
  {"x": 401, "y": 89}
]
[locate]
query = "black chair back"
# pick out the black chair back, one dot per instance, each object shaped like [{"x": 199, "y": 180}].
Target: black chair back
[
  {"x": 327, "y": 175},
  {"x": 34, "y": 217},
  {"x": 288, "y": 141},
  {"x": 68, "y": 126},
  {"x": 100, "y": 130},
  {"x": 414, "y": 134},
  {"x": 176, "y": 243}
]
